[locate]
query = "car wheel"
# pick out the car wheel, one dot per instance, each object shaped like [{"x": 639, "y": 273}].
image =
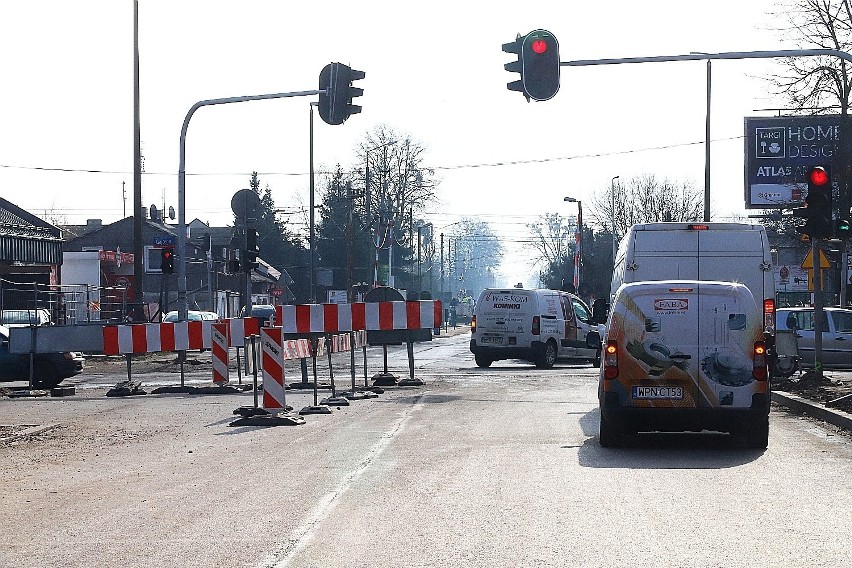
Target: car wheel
[
  {"x": 45, "y": 375},
  {"x": 785, "y": 367},
  {"x": 482, "y": 361},
  {"x": 609, "y": 436},
  {"x": 548, "y": 356}
]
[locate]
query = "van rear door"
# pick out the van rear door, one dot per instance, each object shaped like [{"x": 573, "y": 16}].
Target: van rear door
[
  {"x": 729, "y": 326},
  {"x": 658, "y": 256},
  {"x": 502, "y": 316},
  {"x": 655, "y": 325}
]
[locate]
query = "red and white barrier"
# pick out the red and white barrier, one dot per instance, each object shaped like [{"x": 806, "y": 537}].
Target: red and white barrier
[
  {"x": 154, "y": 337},
  {"x": 173, "y": 336},
  {"x": 334, "y": 318},
  {"x": 219, "y": 333},
  {"x": 241, "y": 328},
  {"x": 273, "y": 370}
]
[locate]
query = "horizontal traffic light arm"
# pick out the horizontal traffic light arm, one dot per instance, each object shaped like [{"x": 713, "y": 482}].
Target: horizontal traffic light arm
[{"x": 705, "y": 56}]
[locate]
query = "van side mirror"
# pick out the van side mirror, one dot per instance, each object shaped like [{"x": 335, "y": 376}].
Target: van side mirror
[
  {"x": 593, "y": 340},
  {"x": 600, "y": 310}
]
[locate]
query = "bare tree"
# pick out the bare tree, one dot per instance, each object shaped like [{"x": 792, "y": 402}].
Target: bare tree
[
  {"x": 551, "y": 238},
  {"x": 644, "y": 199},
  {"x": 816, "y": 84}
]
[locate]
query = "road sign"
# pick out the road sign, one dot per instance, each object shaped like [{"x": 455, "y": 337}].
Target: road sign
[
  {"x": 164, "y": 241},
  {"x": 808, "y": 263}
]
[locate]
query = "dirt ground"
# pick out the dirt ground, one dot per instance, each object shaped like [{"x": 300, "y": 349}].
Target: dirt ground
[{"x": 830, "y": 388}]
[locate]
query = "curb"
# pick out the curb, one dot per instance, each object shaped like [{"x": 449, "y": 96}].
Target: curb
[{"x": 836, "y": 417}]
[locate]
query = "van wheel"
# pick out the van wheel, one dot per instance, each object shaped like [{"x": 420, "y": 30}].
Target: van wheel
[
  {"x": 609, "y": 436},
  {"x": 785, "y": 367},
  {"x": 596, "y": 362},
  {"x": 547, "y": 359},
  {"x": 757, "y": 435},
  {"x": 482, "y": 361}
]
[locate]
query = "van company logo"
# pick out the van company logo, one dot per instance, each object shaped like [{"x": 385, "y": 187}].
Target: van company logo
[{"x": 670, "y": 304}]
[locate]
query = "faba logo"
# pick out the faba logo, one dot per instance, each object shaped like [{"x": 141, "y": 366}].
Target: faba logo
[{"x": 671, "y": 304}]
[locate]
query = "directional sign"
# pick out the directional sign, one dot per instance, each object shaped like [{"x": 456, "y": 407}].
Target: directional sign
[{"x": 808, "y": 263}]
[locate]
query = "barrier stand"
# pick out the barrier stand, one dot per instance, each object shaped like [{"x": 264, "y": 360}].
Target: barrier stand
[
  {"x": 274, "y": 393},
  {"x": 410, "y": 381},
  {"x": 317, "y": 345},
  {"x": 359, "y": 339},
  {"x": 385, "y": 378},
  {"x": 246, "y": 411},
  {"x": 334, "y": 343}
]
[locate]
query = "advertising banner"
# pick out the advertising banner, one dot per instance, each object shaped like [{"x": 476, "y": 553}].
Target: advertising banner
[{"x": 779, "y": 152}]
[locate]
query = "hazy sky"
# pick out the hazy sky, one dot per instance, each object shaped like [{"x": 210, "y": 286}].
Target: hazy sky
[{"x": 434, "y": 72}]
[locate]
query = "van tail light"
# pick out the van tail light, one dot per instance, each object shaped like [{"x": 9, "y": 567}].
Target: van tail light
[
  {"x": 473, "y": 324},
  {"x": 759, "y": 372},
  {"x": 611, "y": 360},
  {"x": 769, "y": 315},
  {"x": 536, "y": 325}
]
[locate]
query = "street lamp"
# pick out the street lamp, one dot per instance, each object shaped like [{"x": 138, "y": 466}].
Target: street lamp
[
  {"x": 578, "y": 239},
  {"x": 612, "y": 214},
  {"x": 369, "y": 219}
]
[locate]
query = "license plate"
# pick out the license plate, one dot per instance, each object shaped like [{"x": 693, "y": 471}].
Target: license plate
[
  {"x": 496, "y": 340},
  {"x": 658, "y": 392}
]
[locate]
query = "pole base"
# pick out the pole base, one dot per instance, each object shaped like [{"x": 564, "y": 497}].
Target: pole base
[
  {"x": 315, "y": 410},
  {"x": 410, "y": 383},
  {"x": 335, "y": 401},
  {"x": 269, "y": 420},
  {"x": 384, "y": 379}
]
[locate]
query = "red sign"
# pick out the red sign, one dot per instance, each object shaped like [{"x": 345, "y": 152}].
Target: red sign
[{"x": 118, "y": 258}]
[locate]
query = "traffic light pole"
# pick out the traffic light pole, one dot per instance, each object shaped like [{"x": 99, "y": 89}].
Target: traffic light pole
[
  {"x": 819, "y": 314},
  {"x": 181, "y": 240}
]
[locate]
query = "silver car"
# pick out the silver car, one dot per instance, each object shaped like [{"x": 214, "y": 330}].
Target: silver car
[{"x": 836, "y": 335}]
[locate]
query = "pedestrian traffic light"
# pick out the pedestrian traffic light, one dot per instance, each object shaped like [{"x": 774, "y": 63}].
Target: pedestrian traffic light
[
  {"x": 538, "y": 64},
  {"x": 234, "y": 266},
  {"x": 818, "y": 202},
  {"x": 251, "y": 253},
  {"x": 335, "y": 100},
  {"x": 167, "y": 260}
]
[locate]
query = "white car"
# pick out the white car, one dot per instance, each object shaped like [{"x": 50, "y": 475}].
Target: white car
[
  {"x": 192, "y": 315},
  {"x": 836, "y": 335}
]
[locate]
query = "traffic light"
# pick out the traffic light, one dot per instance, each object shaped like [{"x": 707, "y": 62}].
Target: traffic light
[
  {"x": 167, "y": 260},
  {"x": 251, "y": 253},
  {"x": 538, "y": 64},
  {"x": 817, "y": 210},
  {"x": 335, "y": 100}
]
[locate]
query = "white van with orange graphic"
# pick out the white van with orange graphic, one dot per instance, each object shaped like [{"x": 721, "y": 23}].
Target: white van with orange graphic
[{"x": 684, "y": 355}]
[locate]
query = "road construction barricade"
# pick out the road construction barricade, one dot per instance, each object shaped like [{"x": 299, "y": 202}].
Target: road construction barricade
[{"x": 392, "y": 323}]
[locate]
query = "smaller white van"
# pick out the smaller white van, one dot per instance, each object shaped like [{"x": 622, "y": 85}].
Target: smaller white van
[
  {"x": 537, "y": 325},
  {"x": 685, "y": 355}
]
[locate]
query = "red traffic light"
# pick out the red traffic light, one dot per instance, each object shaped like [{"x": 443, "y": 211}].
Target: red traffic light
[
  {"x": 818, "y": 176},
  {"x": 539, "y": 46}
]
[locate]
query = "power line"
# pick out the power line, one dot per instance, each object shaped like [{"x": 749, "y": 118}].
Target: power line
[{"x": 443, "y": 168}]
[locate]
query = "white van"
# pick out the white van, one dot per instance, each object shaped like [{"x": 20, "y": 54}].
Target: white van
[
  {"x": 535, "y": 325},
  {"x": 727, "y": 252},
  {"x": 684, "y": 355}
]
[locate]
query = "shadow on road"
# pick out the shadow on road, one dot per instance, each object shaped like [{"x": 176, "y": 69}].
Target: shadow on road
[{"x": 663, "y": 450}]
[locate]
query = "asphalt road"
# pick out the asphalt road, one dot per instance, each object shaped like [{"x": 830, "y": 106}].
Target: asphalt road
[{"x": 479, "y": 467}]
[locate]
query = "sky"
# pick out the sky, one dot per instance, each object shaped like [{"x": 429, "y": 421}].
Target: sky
[{"x": 434, "y": 72}]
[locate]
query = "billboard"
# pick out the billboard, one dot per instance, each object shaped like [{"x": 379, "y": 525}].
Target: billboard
[{"x": 779, "y": 151}]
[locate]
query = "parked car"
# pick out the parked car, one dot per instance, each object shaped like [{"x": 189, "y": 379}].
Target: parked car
[
  {"x": 192, "y": 315},
  {"x": 49, "y": 369},
  {"x": 836, "y": 335},
  {"x": 22, "y": 318},
  {"x": 263, "y": 312}
]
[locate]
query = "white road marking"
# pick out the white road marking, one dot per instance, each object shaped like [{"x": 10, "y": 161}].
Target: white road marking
[{"x": 287, "y": 550}]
